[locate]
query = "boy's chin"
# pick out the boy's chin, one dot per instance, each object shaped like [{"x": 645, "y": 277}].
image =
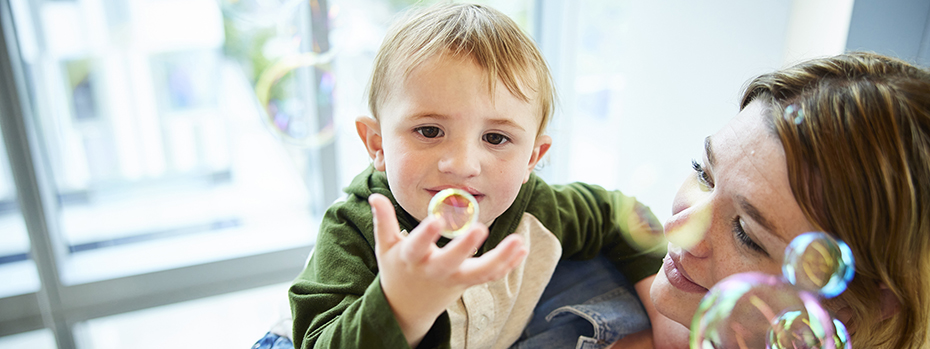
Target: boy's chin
[{"x": 673, "y": 303}]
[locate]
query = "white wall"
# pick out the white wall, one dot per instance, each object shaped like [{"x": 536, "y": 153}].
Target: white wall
[{"x": 669, "y": 74}]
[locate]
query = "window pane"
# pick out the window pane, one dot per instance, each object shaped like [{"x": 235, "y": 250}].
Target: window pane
[
  {"x": 180, "y": 132},
  {"x": 155, "y": 144},
  {"x": 16, "y": 267},
  {"x": 235, "y": 320},
  {"x": 41, "y": 339}
]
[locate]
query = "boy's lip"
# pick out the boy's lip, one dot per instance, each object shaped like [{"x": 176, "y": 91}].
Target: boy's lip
[
  {"x": 477, "y": 194},
  {"x": 677, "y": 276}
]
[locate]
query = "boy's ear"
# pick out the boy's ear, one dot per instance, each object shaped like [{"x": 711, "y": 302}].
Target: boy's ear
[
  {"x": 543, "y": 142},
  {"x": 369, "y": 130}
]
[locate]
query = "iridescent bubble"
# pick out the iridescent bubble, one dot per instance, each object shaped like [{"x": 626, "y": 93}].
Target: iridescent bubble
[
  {"x": 290, "y": 116},
  {"x": 457, "y": 208},
  {"x": 841, "y": 337},
  {"x": 688, "y": 230},
  {"x": 756, "y": 310},
  {"x": 818, "y": 263},
  {"x": 794, "y": 113},
  {"x": 643, "y": 231}
]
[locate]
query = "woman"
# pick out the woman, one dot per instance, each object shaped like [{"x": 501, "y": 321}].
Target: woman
[{"x": 840, "y": 145}]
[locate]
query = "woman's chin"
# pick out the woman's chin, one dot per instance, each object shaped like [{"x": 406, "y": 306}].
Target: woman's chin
[{"x": 675, "y": 304}]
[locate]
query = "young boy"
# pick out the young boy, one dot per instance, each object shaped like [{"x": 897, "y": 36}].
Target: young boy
[{"x": 460, "y": 98}]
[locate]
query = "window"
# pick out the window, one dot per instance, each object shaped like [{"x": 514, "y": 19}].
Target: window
[
  {"x": 179, "y": 148},
  {"x": 15, "y": 264}
]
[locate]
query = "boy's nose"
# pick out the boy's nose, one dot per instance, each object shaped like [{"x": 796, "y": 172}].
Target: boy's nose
[{"x": 460, "y": 160}]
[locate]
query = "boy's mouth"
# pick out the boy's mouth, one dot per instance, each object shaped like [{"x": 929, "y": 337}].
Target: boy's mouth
[{"x": 478, "y": 196}]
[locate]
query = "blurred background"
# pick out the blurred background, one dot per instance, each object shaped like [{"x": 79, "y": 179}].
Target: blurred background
[{"x": 165, "y": 163}]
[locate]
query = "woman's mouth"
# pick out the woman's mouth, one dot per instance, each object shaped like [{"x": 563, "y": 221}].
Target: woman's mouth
[{"x": 677, "y": 276}]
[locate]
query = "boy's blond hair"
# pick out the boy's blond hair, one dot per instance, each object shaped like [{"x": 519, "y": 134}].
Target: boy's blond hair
[{"x": 492, "y": 39}]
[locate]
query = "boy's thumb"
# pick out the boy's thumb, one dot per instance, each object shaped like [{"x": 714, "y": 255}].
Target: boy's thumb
[{"x": 384, "y": 220}]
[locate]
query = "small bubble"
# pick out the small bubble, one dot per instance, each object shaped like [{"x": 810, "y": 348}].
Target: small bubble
[
  {"x": 794, "y": 114},
  {"x": 818, "y": 263},
  {"x": 457, "y": 208}
]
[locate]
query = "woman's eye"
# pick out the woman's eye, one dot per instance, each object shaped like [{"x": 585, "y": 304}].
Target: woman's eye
[
  {"x": 429, "y": 131},
  {"x": 744, "y": 238},
  {"x": 495, "y": 138},
  {"x": 702, "y": 175}
]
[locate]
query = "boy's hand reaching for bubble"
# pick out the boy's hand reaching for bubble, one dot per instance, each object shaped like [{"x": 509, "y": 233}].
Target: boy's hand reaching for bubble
[{"x": 419, "y": 279}]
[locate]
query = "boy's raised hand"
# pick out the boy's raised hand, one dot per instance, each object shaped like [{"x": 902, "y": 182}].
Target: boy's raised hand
[{"x": 419, "y": 279}]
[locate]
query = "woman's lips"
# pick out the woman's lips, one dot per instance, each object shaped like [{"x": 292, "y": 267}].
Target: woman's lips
[{"x": 677, "y": 276}]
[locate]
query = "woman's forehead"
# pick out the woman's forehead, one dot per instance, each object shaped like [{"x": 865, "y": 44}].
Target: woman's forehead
[{"x": 750, "y": 169}]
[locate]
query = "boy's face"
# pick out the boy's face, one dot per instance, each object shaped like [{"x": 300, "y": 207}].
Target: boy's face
[{"x": 440, "y": 128}]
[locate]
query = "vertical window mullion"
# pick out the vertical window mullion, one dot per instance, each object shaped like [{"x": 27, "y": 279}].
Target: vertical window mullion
[{"x": 36, "y": 203}]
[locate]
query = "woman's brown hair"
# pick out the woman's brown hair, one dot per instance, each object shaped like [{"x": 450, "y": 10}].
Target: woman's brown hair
[{"x": 856, "y": 134}]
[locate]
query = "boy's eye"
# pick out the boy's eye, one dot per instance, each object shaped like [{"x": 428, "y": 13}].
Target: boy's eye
[
  {"x": 702, "y": 175},
  {"x": 429, "y": 131},
  {"x": 495, "y": 138}
]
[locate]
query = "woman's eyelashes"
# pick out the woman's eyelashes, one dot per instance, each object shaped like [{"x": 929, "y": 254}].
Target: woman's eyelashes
[
  {"x": 703, "y": 177},
  {"x": 740, "y": 233}
]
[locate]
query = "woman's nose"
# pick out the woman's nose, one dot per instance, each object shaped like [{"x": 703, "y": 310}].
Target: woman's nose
[
  {"x": 690, "y": 229},
  {"x": 460, "y": 159}
]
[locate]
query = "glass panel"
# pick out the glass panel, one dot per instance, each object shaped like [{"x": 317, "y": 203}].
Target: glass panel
[
  {"x": 16, "y": 267},
  {"x": 204, "y": 323},
  {"x": 154, "y": 140},
  {"x": 186, "y": 131},
  {"x": 41, "y": 339}
]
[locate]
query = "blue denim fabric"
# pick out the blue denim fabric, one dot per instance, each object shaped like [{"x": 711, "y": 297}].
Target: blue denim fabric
[
  {"x": 587, "y": 304},
  {"x": 273, "y": 341}
]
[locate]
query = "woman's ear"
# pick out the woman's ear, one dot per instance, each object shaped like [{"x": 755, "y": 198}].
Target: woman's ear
[
  {"x": 369, "y": 130},
  {"x": 889, "y": 302}
]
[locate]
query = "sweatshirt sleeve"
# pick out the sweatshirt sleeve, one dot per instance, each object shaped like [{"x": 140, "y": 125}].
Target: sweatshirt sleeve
[
  {"x": 337, "y": 301},
  {"x": 589, "y": 219}
]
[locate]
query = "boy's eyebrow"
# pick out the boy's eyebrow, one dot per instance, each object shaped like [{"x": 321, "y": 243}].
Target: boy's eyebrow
[
  {"x": 502, "y": 122},
  {"x": 419, "y": 116},
  {"x": 506, "y": 122}
]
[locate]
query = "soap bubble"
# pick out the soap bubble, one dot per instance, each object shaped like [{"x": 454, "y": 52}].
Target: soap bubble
[
  {"x": 818, "y": 263},
  {"x": 457, "y": 208},
  {"x": 794, "y": 113},
  {"x": 841, "y": 335},
  {"x": 756, "y": 310},
  {"x": 290, "y": 116}
]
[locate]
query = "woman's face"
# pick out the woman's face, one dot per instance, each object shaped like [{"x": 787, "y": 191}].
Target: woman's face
[{"x": 736, "y": 213}]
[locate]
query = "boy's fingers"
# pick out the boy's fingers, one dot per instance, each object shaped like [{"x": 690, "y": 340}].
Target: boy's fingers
[
  {"x": 422, "y": 240},
  {"x": 387, "y": 231},
  {"x": 497, "y": 262},
  {"x": 464, "y": 246}
]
